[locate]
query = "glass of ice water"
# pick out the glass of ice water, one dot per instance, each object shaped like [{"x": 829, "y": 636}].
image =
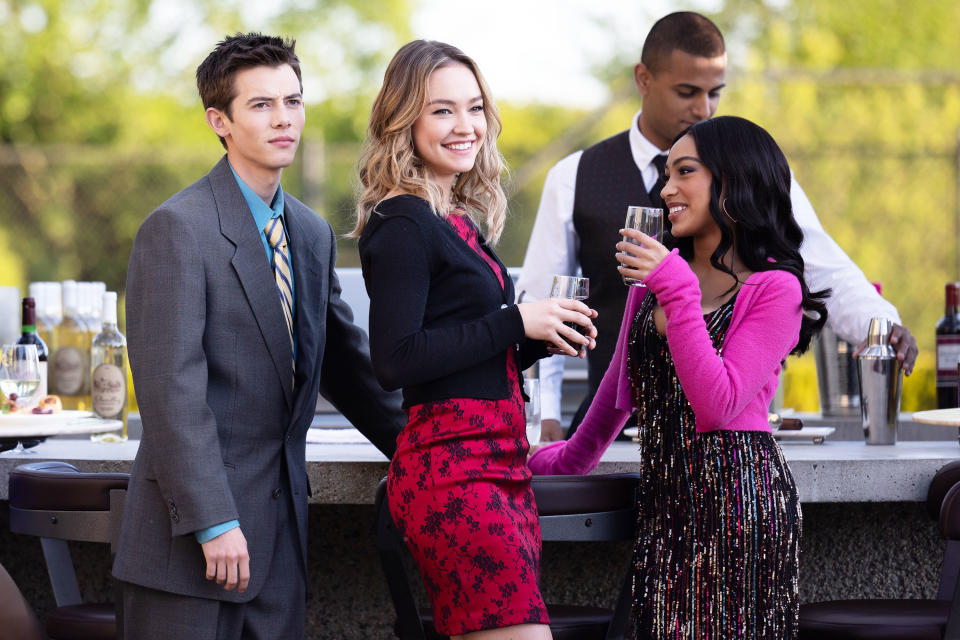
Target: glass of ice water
[{"x": 648, "y": 220}]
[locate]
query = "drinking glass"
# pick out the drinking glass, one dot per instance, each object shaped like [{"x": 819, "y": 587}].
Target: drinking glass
[
  {"x": 531, "y": 409},
  {"x": 648, "y": 220},
  {"x": 571, "y": 287},
  {"x": 19, "y": 376}
]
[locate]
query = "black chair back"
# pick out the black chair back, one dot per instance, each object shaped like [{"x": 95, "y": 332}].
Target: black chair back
[{"x": 57, "y": 503}]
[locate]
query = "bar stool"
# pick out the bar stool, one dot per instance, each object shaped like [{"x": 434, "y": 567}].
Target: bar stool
[
  {"x": 570, "y": 508},
  {"x": 908, "y": 619},
  {"x": 57, "y": 503}
]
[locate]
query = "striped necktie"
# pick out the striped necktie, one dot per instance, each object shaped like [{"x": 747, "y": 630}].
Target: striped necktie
[{"x": 281, "y": 271}]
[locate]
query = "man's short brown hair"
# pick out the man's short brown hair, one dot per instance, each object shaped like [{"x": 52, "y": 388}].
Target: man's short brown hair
[{"x": 236, "y": 53}]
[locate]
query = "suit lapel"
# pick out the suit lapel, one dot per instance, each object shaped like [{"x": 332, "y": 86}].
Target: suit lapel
[{"x": 256, "y": 277}]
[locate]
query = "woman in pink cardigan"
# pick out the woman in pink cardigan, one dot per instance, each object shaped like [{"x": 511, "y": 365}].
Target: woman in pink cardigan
[{"x": 698, "y": 358}]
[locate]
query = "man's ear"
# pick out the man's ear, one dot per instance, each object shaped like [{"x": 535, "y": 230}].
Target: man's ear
[
  {"x": 642, "y": 78},
  {"x": 218, "y": 121}
]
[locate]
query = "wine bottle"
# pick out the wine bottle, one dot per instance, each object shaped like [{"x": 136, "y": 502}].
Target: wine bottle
[
  {"x": 108, "y": 372},
  {"x": 29, "y": 336},
  {"x": 49, "y": 310},
  {"x": 948, "y": 349},
  {"x": 71, "y": 359}
]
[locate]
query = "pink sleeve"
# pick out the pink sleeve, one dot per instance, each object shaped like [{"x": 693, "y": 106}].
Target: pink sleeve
[
  {"x": 605, "y": 417},
  {"x": 720, "y": 387}
]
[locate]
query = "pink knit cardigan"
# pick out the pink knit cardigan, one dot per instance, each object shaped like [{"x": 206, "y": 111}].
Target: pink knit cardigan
[{"x": 731, "y": 390}]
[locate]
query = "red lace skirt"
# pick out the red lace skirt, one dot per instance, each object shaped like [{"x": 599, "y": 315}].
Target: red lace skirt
[{"x": 459, "y": 490}]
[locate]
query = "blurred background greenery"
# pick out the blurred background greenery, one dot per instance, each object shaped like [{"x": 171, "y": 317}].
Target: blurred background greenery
[{"x": 99, "y": 123}]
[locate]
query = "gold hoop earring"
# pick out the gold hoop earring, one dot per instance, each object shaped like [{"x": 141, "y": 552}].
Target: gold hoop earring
[{"x": 723, "y": 207}]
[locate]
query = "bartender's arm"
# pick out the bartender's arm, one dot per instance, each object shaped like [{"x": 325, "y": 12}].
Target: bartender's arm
[{"x": 854, "y": 300}]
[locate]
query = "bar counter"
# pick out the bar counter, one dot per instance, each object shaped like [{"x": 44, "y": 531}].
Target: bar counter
[
  {"x": 865, "y": 530},
  {"x": 834, "y": 471}
]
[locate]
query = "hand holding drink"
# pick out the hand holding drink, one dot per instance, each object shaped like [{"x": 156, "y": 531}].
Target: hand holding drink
[
  {"x": 563, "y": 320},
  {"x": 575, "y": 288},
  {"x": 646, "y": 220}
]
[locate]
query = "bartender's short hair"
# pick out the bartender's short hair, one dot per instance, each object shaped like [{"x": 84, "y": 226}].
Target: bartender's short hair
[{"x": 687, "y": 31}]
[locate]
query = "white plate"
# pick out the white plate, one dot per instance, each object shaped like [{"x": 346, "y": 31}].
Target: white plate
[
  {"x": 51, "y": 424},
  {"x": 327, "y": 435},
  {"x": 814, "y": 434},
  {"x": 36, "y": 419}
]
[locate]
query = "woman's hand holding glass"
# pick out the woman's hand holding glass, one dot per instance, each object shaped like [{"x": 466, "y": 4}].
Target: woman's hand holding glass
[
  {"x": 544, "y": 320},
  {"x": 638, "y": 260}
]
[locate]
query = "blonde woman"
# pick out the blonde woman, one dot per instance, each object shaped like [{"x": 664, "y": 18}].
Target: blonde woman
[{"x": 445, "y": 329}]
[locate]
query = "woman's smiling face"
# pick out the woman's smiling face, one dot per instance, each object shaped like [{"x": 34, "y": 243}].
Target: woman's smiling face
[
  {"x": 686, "y": 193},
  {"x": 450, "y": 130}
]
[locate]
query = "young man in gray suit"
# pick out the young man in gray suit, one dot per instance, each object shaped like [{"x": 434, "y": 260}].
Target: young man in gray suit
[{"x": 235, "y": 322}]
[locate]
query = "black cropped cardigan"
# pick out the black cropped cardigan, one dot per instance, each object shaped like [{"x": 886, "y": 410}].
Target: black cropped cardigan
[{"x": 441, "y": 326}]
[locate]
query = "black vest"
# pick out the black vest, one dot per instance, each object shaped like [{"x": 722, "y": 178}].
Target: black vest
[{"x": 608, "y": 181}]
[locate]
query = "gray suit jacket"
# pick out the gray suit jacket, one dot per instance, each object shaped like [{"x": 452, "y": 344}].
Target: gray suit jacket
[{"x": 224, "y": 427}]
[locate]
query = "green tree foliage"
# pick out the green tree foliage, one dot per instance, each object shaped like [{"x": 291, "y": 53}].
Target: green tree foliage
[
  {"x": 864, "y": 97},
  {"x": 99, "y": 122},
  {"x": 99, "y": 119}
]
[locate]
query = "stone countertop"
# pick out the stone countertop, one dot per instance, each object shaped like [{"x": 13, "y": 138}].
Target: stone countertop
[{"x": 348, "y": 473}]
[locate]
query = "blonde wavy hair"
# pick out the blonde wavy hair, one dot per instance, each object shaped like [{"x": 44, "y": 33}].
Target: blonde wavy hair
[{"x": 389, "y": 160}]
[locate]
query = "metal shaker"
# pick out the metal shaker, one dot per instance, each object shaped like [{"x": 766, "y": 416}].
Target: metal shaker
[
  {"x": 881, "y": 380},
  {"x": 836, "y": 375}
]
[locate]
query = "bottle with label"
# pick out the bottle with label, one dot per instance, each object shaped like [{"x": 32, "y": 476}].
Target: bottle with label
[
  {"x": 49, "y": 310},
  {"x": 948, "y": 349},
  {"x": 108, "y": 372},
  {"x": 71, "y": 359},
  {"x": 29, "y": 336}
]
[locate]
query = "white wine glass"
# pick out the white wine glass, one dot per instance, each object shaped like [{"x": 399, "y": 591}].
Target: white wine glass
[
  {"x": 577, "y": 288},
  {"x": 648, "y": 220},
  {"x": 531, "y": 409},
  {"x": 19, "y": 376}
]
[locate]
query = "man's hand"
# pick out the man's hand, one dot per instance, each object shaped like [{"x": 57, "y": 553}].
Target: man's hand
[
  {"x": 550, "y": 431},
  {"x": 905, "y": 345},
  {"x": 227, "y": 560}
]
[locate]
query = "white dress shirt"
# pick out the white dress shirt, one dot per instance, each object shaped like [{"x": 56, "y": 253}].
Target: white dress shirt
[{"x": 554, "y": 247}]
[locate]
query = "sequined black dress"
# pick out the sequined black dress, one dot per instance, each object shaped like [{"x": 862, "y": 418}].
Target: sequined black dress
[{"x": 718, "y": 544}]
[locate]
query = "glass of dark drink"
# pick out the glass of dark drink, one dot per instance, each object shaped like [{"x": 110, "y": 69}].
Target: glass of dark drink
[{"x": 572, "y": 287}]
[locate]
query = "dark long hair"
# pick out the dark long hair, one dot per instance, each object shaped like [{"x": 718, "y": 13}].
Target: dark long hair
[{"x": 752, "y": 173}]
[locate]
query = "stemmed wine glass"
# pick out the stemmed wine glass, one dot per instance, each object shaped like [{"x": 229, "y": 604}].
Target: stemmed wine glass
[
  {"x": 574, "y": 287},
  {"x": 19, "y": 376},
  {"x": 648, "y": 220}
]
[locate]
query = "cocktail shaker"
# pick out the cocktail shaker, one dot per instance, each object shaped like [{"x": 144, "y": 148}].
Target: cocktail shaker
[{"x": 881, "y": 377}]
